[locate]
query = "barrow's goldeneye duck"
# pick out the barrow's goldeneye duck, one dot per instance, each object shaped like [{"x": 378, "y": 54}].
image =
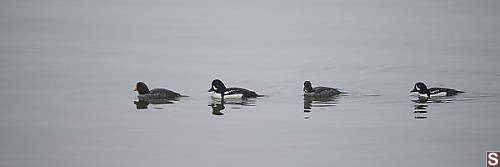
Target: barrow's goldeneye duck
[
  {"x": 157, "y": 93},
  {"x": 319, "y": 92},
  {"x": 220, "y": 91},
  {"x": 423, "y": 91}
]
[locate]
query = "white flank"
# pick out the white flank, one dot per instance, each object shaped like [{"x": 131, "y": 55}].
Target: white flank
[
  {"x": 440, "y": 94},
  {"x": 234, "y": 96}
]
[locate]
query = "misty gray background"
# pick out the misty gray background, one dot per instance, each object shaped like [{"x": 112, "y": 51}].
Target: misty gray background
[{"x": 67, "y": 70}]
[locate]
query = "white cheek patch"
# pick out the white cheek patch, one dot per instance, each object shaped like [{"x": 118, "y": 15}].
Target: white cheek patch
[{"x": 417, "y": 88}]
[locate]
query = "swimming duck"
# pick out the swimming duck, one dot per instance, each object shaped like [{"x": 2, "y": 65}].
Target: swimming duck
[
  {"x": 423, "y": 91},
  {"x": 319, "y": 92},
  {"x": 220, "y": 91},
  {"x": 156, "y": 93}
]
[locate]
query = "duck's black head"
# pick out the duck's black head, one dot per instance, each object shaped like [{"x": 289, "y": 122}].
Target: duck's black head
[
  {"x": 308, "y": 87},
  {"x": 217, "y": 86},
  {"x": 141, "y": 88},
  {"x": 420, "y": 88}
]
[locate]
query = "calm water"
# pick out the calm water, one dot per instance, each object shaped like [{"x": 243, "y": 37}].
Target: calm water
[{"x": 67, "y": 70}]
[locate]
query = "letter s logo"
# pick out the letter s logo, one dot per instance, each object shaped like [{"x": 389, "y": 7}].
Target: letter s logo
[{"x": 493, "y": 159}]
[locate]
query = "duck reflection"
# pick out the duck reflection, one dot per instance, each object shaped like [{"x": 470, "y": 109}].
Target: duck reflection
[
  {"x": 318, "y": 102},
  {"x": 218, "y": 105},
  {"x": 217, "y": 108},
  {"x": 420, "y": 109},
  {"x": 143, "y": 104},
  {"x": 421, "y": 104}
]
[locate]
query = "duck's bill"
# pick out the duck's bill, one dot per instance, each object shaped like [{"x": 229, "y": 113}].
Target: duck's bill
[
  {"x": 211, "y": 90},
  {"x": 414, "y": 90},
  {"x": 135, "y": 89}
]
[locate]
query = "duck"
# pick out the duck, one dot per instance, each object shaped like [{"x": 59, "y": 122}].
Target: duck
[
  {"x": 219, "y": 90},
  {"x": 319, "y": 92},
  {"x": 423, "y": 91},
  {"x": 156, "y": 93}
]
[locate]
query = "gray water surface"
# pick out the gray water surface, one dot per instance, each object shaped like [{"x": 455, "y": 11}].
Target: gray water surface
[{"x": 67, "y": 70}]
